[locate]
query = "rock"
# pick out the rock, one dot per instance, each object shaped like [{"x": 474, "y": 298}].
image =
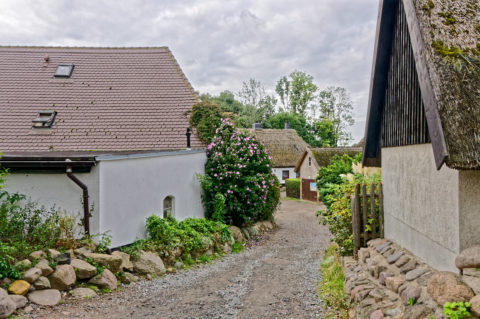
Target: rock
[
  {"x": 383, "y": 277},
  {"x": 149, "y": 263},
  {"x": 104, "y": 280},
  {"x": 360, "y": 292},
  {"x": 445, "y": 287},
  {"x": 387, "y": 252},
  {"x": 32, "y": 274},
  {"x": 3, "y": 292},
  {"x": 127, "y": 278},
  {"x": 63, "y": 277},
  {"x": 267, "y": 225},
  {"x": 393, "y": 312},
  {"x": 411, "y": 294},
  {"x": 226, "y": 248},
  {"x": 394, "y": 257},
  {"x": 415, "y": 273},
  {"x": 28, "y": 309},
  {"x": 469, "y": 258},
  {"x": 171, "y": 270},
  {"x": 82, "y": 251},
  {"x": 381, "y": 247},
  {"x": 19, "y": 287},
  {"x": 42, "y": 283},
  {"x": 82, "y": 293},
  {"x": 113, "y": 263},
  {"x": 6, "y": 282},
  {"x": 376, "y": 294},
  {"x": 148, "y": 277},
  {"x": 408, "y": 266},
  {"x": 237, "y": 234},
  {"x": 63, "y": 259},
  {"x": 19, "y": 301},
  {"x": 126, "y": 262},
  {"x": 402, "y": 261},
  {"x": 47, "y": 297},
  {"x": 23, "y": 264},
  {"x": 7, "y": 306},
  {"x": 54, "y": 253},
  {"x": 475, "y": 304},
  {"x": 83, "y": 270},
  {"x": 36, "y": 255},
  {"x": 417, "y": 312},
  {"x": 44, "y": 267},
  {"x": 393, "y": 283},
  {"x": 363, "y": 254},
  {"x": 178, "y": 265},
  {"x": 377, "y": 314}
]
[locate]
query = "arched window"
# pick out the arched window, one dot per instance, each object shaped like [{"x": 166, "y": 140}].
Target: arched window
[{"x": 168, "y": 207}]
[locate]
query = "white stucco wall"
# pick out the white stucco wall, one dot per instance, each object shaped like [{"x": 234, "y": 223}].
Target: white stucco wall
[
  {"x": 50, "y": 189},
  {"x": 421, "y": 204},
  {"x": 306, "y": 171},
  {"x": 278, "y": 172},
  {"x": 469, "y": 201},
  {"x": 132, "y": 189}
]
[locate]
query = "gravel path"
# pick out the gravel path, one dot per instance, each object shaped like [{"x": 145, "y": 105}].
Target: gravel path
[{"x": 274, "y": 280}]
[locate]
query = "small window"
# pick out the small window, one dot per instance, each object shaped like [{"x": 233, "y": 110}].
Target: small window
[
  {"x": 297, "y": 175},
  {"x": 285, "y": 175},
  {"x": 44, "y": 119},
  {"x": 168, "y": 207},
  {"x": 64, "y": 71},
  {"x": 309, "y": 161}
]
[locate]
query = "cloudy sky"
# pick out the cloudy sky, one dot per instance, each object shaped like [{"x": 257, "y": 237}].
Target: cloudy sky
[{"x": 218, "y": 43}]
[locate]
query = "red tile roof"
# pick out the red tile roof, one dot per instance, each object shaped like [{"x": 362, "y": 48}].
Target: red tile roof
[{"x": 118, "y": 99}]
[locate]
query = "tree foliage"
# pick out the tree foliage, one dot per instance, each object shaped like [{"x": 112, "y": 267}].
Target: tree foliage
[
  {"x": 296, "y": 92},
  {"x": 206, "y": 118}
]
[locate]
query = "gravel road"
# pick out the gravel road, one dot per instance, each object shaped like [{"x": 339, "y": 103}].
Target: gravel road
[{"x": 276, "y": 279}]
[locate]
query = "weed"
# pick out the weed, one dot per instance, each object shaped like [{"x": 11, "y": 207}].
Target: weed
[
  {"x": 456, "y": 310},
  {"x": 237, "y": 248}
]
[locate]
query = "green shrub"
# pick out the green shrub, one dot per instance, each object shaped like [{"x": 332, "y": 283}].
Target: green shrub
[
  {"x": 456, "y": 310},
  {"x": 273, "y": 198},
  {"x": 9, "y": 271},
  {"x": 292, "y": 186},
  {"x": 206, "y": 117}
]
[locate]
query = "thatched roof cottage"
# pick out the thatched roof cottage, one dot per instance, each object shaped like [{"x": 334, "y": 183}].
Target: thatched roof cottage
[{"x": 423, "y": 125}]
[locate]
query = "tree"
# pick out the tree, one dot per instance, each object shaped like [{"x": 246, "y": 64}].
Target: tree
[
  {"x": 296, "y": 122},
  {"x": 258, "y": 106},
  {"x": 325, "y": 133},
  {"x": 296, "y": 92},
  {"x": 335, "y": 105},
  {"x": 206, "y": 117},
  {"x": 226, "y": 100}
]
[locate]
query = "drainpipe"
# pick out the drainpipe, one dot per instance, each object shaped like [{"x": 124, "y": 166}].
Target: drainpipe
[
  {"x": 86, "y": 212},
  {"x": 188, "y": 137}
]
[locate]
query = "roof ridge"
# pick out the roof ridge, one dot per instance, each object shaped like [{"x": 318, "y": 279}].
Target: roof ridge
[{"x": 82, "y": 47}]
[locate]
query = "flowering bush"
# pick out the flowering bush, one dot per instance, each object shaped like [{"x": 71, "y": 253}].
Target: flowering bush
[{"x": 238, "y": 168}]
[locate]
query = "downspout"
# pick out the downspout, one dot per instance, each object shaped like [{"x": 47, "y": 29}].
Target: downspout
[{"x": 86, "y": 212}]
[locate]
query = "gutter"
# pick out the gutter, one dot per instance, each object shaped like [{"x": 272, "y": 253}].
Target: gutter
[{"x": 86, "y": 212}]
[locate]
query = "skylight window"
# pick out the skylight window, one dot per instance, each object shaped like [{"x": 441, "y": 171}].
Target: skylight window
[
  {"x": 44, "y": 119},
  {"x": 64, "y": 71}
]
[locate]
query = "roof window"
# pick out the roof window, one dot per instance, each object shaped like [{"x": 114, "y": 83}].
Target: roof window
[
  {"x": 64, "y": 71},
  {"x": 44, "y": 119}
]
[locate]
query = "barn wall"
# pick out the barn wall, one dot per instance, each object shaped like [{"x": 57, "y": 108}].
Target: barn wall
[
  {"x": 50, "y": 189},
  {"x": 132, "y": 189},
  {"x": 421, "y": 204}
]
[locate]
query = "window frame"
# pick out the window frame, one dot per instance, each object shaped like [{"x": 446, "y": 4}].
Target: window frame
[
  {"x": 283, "y": 174},
  {"x": 64, "y": 76}
]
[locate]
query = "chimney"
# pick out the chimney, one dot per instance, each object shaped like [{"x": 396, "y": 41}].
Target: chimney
[
  {"x": 188, "y": 138},
  {"x": 287, "y": 125},
  {"x": 257, "y": 126}
]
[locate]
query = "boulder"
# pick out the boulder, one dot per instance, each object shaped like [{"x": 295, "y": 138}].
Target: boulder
[
  {"x": 417, "y": 312},
  {"x": 411, "y": 293},
  {"x": 104, "y": 280},
  {"x": 394, "y": 257},
  {"x": 112, "y": 262},
  {"x": 47, "y": 297},
  {"x": 393, "y": 283},
  {"x": 445, "y": 287},
  {"x": 382, "y": 278},
  {"x": 19, "y": 287},
  {"x": 126, "y": 262},
  {"x": 54, "y": 253},
  {"x": 23, "y": 264},
  {"x": 32, "y": 274},
  {"x": 63, "y": 277},
  {"x": 83, "y": 270},
  {"x": 82, "y": 251},
  {"x": 44, "y": 267},
  {"x": 237, "y": 234},
  {"x": 377, "y": 314},
  {"x": 19, "y": 301},
  {"x": 42, "y": 283},
  {"x": 7, "y": 306},
  {"x": 468, "y": 258},
  {"x": 475, "y": 305},
  {"x": 63, "y": 259},
  {"x": 226, "y": 248},
  {"x": 415, "y": 273},
  {"x": 149, "y": 263},
  {"x": 402, "y": 261},
  {"x": 128, "y": 278},
  {"x": 410, "y": 265},
  {"x": 81, "y": 293},
  {"x": 36, "y": 255}
]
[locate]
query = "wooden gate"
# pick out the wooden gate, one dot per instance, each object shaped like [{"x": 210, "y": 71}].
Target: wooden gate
[{"x": 309, "y": 189}]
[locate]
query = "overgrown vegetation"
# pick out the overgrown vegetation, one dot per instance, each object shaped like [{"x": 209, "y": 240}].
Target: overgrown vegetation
[
  {"x": 456, "y": 310},
  {"x": 239, "y": 169},
  {"x": 292, "y": 186},
  {"x": 206, "y": 118},
  {"x": 330, "y": 288}
]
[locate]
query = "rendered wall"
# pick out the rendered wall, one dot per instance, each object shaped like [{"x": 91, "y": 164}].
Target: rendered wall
[
  {"x": 133, "y": 189},
  {"x": 309, "y": 172},
  {"x": 278, "y": 172},
  {"x": 50, "y": 189},
  {"x": 469, "y": 184},
  {"x": 421, "y": 204}
]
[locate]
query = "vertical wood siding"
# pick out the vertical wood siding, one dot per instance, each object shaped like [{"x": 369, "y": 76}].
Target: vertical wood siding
[{"x": 403, "y": 119}]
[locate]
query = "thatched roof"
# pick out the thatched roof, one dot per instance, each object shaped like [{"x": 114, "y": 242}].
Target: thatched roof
[
  {"x": 445, "y": 37},
  {"x": 285, "y": 145},
  {"x": 323, "y": 155}
]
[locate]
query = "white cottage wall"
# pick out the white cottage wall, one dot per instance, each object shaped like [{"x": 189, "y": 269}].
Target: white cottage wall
[
  {"x": 278, "y": 171},
  {"x": 49, "y": 189},
  {"x": 133, "y": 188},
  {"x": 421, "y": 204}
]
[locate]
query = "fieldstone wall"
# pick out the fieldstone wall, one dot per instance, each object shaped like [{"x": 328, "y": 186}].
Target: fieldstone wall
[{"x": 388, "y": 281}]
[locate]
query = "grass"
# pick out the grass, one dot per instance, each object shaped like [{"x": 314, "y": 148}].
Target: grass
[
  {"x": 330, "y": 288},
  {"x": 237, "y": 248}
]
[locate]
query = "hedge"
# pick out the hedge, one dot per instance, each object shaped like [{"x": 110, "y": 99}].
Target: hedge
[{"x": 293, "y": 187}]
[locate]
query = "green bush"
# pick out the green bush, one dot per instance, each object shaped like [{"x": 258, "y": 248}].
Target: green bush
[
  {"x": 8, "y": 271},
  {"x": 206, "y": 117},
  {"x": 273, "y": 198},
  {"x": 456, "y": 310},
  {"x": 292, "y": 186}
]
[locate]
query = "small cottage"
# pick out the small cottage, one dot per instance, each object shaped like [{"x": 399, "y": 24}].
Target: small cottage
[
  {"x": 310, "y": 162},
  {"x": 285, "y": 147},
  {"x": 102, "y": 134},
  {"x": 423, "y": 125}
]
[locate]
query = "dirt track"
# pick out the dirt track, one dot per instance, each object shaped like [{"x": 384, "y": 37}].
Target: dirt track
[{"x": 274, "y": 280}]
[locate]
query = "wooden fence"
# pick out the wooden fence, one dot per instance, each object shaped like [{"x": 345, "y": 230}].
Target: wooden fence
[{"x": 367, "y": 220}]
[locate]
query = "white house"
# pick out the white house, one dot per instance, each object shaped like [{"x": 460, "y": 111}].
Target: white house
[
  {"x": 423, "y": 127},
  {"x": 100, "y": 131}
]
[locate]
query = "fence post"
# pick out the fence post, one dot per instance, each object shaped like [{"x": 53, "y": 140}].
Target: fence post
[
  {"x": 373, "y": 215},
  {"x": 380, "y": 207},
  {"x": 356, "y": 220},
  {"x": 365, "y": 211}
]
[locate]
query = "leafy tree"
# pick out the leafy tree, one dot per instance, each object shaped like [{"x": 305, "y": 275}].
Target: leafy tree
[
  {"x": 296, "y": 121},
  {"x": 258, "y": 106},
  {"x": 296, "y": 92},
  {"x": 325, "y": 132},
  {"x": 206, "y": 117},
  {"x": 226, "y": 100},
  {"x": 335, "y": 105}
]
